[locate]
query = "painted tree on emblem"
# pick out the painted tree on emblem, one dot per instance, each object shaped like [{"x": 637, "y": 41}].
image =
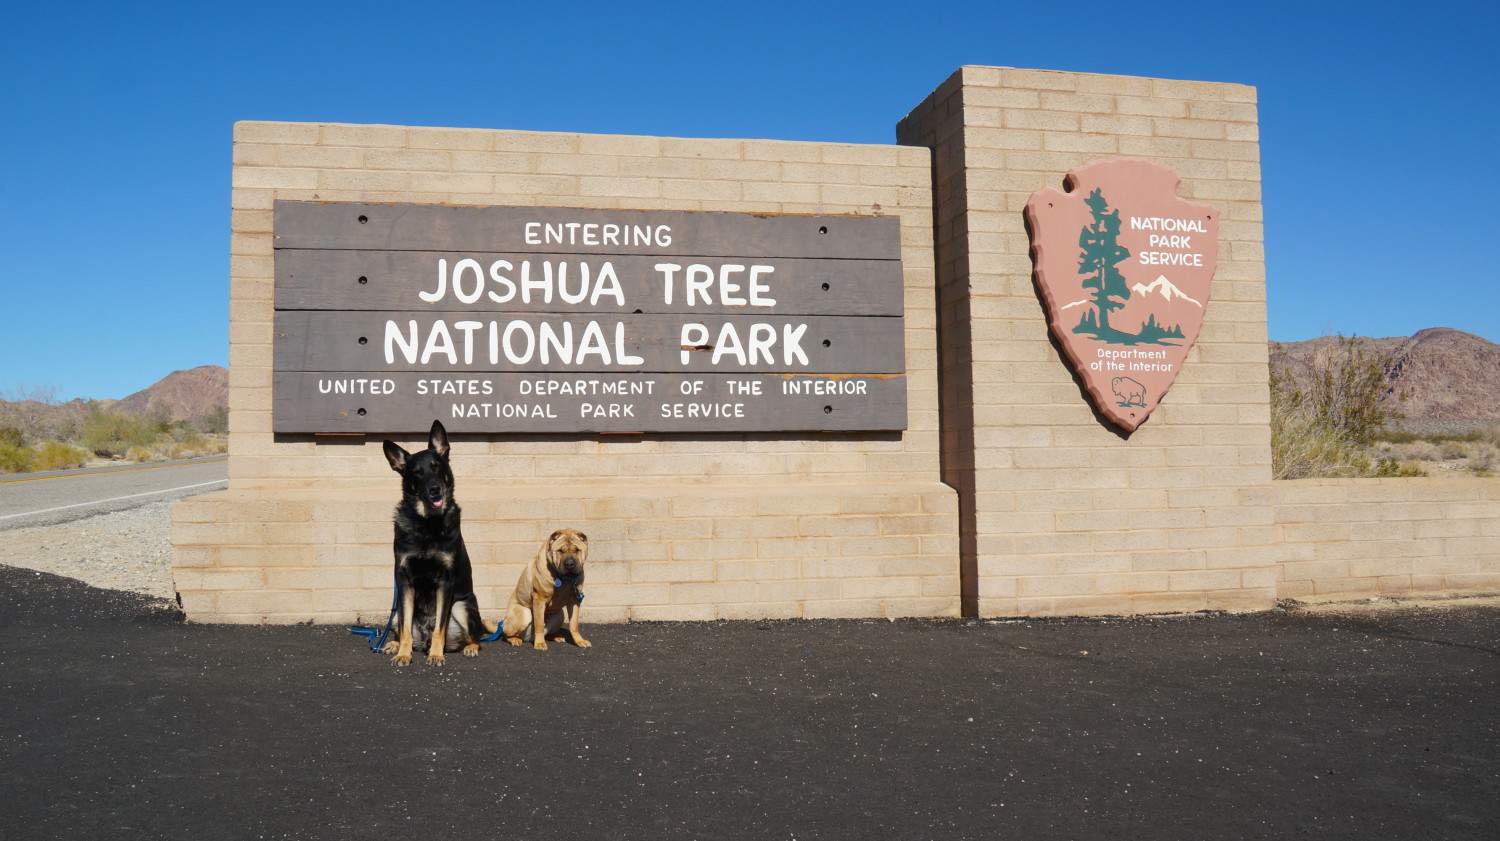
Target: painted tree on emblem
[{"x": 1098, "y": 259}]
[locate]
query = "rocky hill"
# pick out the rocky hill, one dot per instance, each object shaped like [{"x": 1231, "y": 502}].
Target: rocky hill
[
  {"x": 186, "y": 395},
  {"x": 1439, "y": 375}
]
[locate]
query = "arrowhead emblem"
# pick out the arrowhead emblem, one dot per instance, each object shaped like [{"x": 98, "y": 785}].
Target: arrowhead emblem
[{"x": 1123, "y": 267}]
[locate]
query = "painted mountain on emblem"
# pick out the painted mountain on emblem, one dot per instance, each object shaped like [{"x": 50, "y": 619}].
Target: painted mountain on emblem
[{"x": 1163, "y": 287}]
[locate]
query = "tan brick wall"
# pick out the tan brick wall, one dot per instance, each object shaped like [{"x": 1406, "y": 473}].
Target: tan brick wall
[
  {"x": 657, "y": 552},
  {"x": 684, "y": 527},
  {"x": 938, "y": 124},
  {"x": 1348, "y": 538},
  {"x": 1068, "y": 517}
]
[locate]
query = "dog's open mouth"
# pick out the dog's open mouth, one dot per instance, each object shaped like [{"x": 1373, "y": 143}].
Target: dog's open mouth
[{"x": 437, "y": 502}]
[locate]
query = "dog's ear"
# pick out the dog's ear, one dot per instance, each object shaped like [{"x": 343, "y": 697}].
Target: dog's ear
[
  {"x": 396, "y": 456},
  {"x": 437, "y": 439},
  {"x": 583, "y": 537}
]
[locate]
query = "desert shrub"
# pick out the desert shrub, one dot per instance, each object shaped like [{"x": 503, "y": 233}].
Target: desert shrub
[
  {"x": 1453, "y": 449},
  {"x": 12, "y": 436},
  {"x": 193, "y": 444},
  {"x": 15, "y": 458},
  {"x": 1489, "y": 434},
  {"x": 1303, "y": 447},
  {"x": 1416, "y": 450},
  {"x": 1483, "y": 460},
  {"x": 1344, "y": 391},
  {"x": 1328, "y": 427},
  {"x": 214, "y": 423},
  {"x": 1389, "y": 467},
  {"x": 55, "y": 455},
  {"x": 138, "y": 454},
  {"x": 110, "y": 433}
]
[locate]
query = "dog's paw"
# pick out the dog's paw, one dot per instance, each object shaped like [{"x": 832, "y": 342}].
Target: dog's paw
[
  {"x": 435, "y": 658},
  {"x": 401, "y": 660},
  {"x": 471, "y": 650},
  {"x": 515, "y": 641},
  {"x": 582, "y": 643},
  {"x": 391, "y": 647},
  {"x": 540, "y": 645}
]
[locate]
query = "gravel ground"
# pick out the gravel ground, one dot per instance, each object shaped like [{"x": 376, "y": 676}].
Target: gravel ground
[
  {"x": 125, "y": 550},
  {"x": 120, "y": 721}
]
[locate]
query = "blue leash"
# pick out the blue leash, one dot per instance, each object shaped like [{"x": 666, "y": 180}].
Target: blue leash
[{"x": 377, "y": 637}]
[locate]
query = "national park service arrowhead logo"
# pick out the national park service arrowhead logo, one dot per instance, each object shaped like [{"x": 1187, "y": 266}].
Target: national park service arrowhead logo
[{"x": 1123, "y": 267}]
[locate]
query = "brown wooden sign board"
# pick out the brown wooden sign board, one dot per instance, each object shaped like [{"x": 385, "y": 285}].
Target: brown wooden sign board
[
  {"x": 446, "y": 341},
  {"x": 558, "y": 230},
  {"x": 494, "y": 282},
  {"x": 388, "y": 316},
  {"x": 361, "y": 402}
]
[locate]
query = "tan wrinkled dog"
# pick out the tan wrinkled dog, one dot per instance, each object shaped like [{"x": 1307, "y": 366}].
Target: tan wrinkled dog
[{"x": 547, "y": 589}]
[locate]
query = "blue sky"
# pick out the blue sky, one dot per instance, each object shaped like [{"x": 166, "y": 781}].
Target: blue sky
[{"x": 1378, "y": 130}]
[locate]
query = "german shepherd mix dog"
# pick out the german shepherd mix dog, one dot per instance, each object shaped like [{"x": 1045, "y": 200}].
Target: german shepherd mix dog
[
  {"x": 548, "y": 592},
  {"x": 434, "y": 582}
]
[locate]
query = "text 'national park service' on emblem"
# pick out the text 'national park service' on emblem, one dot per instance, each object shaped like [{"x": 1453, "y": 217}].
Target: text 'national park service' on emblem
[{"x": 1123, "y": 267}]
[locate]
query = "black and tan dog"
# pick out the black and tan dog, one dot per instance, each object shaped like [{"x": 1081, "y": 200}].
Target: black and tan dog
[
  {"x": 548, "y": 592},
  {"x": 434, "y": 582}
]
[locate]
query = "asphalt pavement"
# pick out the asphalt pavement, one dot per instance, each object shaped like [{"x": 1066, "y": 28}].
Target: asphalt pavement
[
  {"x": 39, "y": 499},
  {"x": 119, "y": 721}
]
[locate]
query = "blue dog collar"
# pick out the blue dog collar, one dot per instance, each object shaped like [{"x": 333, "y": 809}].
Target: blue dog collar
[{"x": 557, "y": 583}]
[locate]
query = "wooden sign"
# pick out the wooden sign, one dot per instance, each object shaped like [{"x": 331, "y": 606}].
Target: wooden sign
[
  {"x": 1123, "y": 267},
  {"x": 518, "y": 319}
]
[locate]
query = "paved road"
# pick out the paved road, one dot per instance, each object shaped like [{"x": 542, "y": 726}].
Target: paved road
[
  {"x": 119, "y": 721},
  {"x": 44, "y": 498}
]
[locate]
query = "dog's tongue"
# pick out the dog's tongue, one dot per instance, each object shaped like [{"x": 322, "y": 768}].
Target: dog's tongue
[{"x": 439, "y": 503}]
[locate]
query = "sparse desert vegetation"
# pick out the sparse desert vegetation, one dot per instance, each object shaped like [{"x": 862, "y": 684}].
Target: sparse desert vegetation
[
  {"x": 1476, "y": 451},
  {"x": 106, "y": 434},
  {"x": 1340, "y": 416},
  {"x": 185, "y": 414}
]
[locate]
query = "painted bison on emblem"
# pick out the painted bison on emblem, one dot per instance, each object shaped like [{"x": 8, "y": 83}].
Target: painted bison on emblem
[{"x": 1129, "y": 392}]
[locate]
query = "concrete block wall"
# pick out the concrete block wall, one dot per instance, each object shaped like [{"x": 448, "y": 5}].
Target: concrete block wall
[
  {"x": 938, "y": 125},
  {"x": 683, "y": 527},
  {"x": 1063, "y": 515},
  {"x": 684, "y": 552},
  {"x": 1357, "y": 538}
]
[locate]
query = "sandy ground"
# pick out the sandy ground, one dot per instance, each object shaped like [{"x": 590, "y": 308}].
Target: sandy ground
[{"x": 125, "y": 550}]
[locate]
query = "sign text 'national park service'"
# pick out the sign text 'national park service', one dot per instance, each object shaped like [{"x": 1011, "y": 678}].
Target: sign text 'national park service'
[
  {"x": 537, "y": 320},
  {"x": 1123, "y": 266}
]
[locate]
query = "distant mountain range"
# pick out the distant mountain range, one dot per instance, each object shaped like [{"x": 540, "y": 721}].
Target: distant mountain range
[
  {"x": 1438, "y": 374},
  {"x": 189, "y": 395}
]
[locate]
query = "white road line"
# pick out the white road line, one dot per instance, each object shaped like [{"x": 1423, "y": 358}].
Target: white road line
[{"x": 112, "y": 499}]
